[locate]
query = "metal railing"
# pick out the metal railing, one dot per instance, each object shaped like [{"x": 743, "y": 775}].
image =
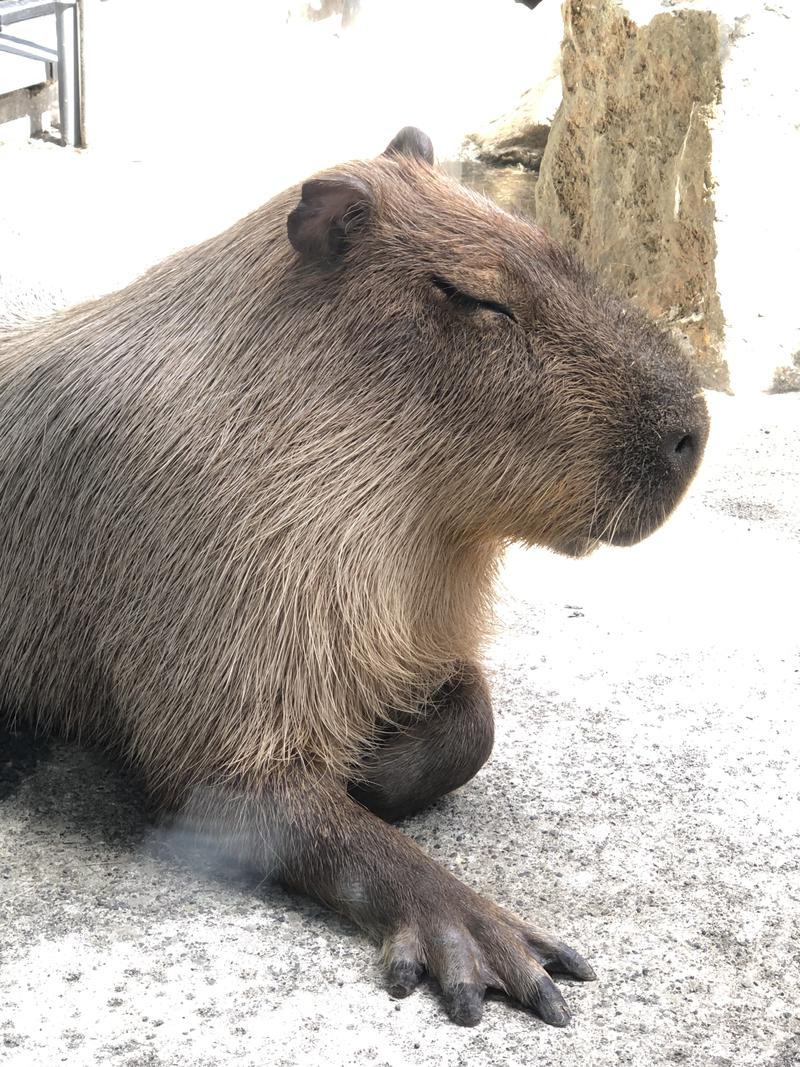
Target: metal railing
[{"x": 64, "y": 59}]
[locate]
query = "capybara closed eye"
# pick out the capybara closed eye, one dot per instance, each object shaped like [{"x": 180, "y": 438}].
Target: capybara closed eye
[{"x": 251, "y": 509}]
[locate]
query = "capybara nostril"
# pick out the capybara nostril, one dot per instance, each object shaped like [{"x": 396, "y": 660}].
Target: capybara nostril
[{"x": 680, "y": 449}]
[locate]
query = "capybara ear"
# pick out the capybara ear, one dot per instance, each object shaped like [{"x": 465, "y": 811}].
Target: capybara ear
[
  {"x": 411, "y": 142},
  {"x": 330, "y": 213}
]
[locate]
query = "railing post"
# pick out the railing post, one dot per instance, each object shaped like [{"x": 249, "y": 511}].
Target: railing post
[{"x": 69, "y": 95}]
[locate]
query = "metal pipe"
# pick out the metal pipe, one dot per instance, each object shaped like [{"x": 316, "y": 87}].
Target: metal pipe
[
  {"x": 68, "y": 71},
  {"x": 12, "y": 11},
  {"x": 27, "y": 49}
]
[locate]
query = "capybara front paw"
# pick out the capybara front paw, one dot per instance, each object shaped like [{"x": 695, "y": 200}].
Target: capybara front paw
[{"x": 470, "y": 951}]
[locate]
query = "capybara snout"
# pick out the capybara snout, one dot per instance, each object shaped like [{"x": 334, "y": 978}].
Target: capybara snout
[{"x": 563, "y": 417}]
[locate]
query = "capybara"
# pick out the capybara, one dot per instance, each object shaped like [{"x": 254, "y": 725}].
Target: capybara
[{"x": 251, "y": 510}]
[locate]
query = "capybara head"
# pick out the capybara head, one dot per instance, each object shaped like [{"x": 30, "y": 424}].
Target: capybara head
[{"x": 559, "y": 415}]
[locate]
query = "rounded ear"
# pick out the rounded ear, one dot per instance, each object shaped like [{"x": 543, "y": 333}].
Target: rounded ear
[
  {"x": 411, "y": 142},
  {"x": 330, "y": 213}
]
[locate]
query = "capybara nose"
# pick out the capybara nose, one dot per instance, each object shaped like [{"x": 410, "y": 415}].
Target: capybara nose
[{"x": 680, "y": 449}]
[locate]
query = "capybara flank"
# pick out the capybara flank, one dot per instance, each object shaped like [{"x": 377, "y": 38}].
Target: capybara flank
[{"x": 251, "y": 509}]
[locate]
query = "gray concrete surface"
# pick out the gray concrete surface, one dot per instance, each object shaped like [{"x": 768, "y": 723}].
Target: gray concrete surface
[{"x": 642, "y": 800}]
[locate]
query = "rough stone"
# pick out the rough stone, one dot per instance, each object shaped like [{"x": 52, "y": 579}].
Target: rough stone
[
  {"x": 787, "y": 379},
  {"x": 513, "y": 188},
  {"x": 317, "y": 10},
  {"x": 626, "y": 178},
  {"x": 676, "y": 139},
  {"x": 516, "y": 139}
]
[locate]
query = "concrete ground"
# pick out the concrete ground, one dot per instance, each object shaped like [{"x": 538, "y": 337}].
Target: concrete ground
[{"x": 642, "y": 800}]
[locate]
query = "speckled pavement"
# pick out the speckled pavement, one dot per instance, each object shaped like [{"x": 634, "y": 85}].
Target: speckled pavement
[{"x": 642, "y": 801}]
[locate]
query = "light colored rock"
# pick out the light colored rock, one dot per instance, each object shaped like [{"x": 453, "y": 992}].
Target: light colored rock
[
  {"x": 787, "y": 379},
  {"x": 671, "y": 168},
  {"x": 316, "y": 10},
  {"x": 517, "y": 139},
  {"x": 626, "y": 179},
  {"x": 512, "y": 188}
]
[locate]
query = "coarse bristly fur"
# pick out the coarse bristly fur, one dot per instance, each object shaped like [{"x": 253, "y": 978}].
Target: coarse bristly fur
[
  {"x": 247, "y": 504},
  {"x": 251, "y": 506}
]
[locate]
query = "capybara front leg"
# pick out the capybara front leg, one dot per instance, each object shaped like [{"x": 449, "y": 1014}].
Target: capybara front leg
[
  {"x": 313, "y": 837},
  {"x": 430, "y": 753}
]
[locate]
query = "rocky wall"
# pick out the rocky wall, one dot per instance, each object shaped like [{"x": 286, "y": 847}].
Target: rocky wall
[{"x": 626, "y": 177}]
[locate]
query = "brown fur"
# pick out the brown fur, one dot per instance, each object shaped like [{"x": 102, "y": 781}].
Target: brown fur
[{"x": 251, "y": 507}]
